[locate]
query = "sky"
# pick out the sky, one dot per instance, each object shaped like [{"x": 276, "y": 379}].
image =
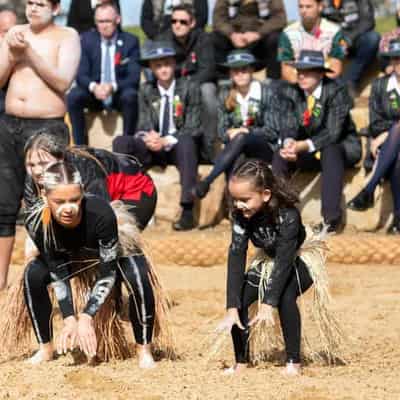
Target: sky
[{"x": 131, "y": 10}]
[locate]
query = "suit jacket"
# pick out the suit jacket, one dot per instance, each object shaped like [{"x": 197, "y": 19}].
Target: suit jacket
[
  {"x": 355, "y": 17},
  {"x": 248, "y": 18},
  {"x": 81, "y": 15},
  {"x": 188, "y": 123},
  {"x": 195, "y": 59},
  {"x": 331, "y": 121},
  {"x": 384, "y": 107},
  {"x": 230, "y": 119},
  {"x": 127, "y": 68}
]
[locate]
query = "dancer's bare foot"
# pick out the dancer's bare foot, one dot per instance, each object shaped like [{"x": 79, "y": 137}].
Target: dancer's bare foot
[
  {"x": 45, "y": 353},
  {"x": 146, "y": 360},
  {"x": 292, "y": 369},
  {"x": 235, "y": 369}
]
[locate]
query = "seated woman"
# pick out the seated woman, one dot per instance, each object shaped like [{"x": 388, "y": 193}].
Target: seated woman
[
  {"x": 323, "y": 136},
  {"x": 109, "y": 175},
  {"x": 69, "y": 228},
  {"x": 241, "y": 125},
  {"x": 384, "y": 115}
]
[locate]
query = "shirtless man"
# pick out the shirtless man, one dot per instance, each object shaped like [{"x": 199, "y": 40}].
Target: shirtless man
[
  {"x": 39, "y": 60},
  {"x": 8, "y": 19}
]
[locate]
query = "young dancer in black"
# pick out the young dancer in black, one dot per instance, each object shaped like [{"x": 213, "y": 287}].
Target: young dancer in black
[
  {"x": 384, "y": 128},
  {"x": 109, "y": 175},
  {"x": 264, "y": 213},
  {"x": 70, "y": 229}
]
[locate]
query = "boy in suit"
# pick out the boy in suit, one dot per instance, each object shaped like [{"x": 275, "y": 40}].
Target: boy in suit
[
  {"x": 169, "y": 125},
  {"x": 108, "y": 75},
  {"x": 319, "y": 132}
]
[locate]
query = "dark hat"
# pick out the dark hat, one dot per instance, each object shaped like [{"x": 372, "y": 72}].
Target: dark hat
[
  {"x": 311, "y": 59},
  {"x": 241, "y": 58},
  {"x": 155, "y": 50},
  {"x": 393, "y": 49}
]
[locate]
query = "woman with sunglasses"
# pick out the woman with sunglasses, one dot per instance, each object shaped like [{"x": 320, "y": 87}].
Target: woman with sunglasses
[{"x": 241, "y": 118}]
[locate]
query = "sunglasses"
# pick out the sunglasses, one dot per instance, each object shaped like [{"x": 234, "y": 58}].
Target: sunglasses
[{"x": 184, "y": 22}]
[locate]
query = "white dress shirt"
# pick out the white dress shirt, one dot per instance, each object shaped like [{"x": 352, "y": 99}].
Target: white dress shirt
[
  {"x": 170, "y": 92},
  {"x": 254, "y": 93}
]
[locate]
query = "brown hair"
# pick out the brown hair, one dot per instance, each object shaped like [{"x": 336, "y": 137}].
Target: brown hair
[
  {"x": 230, "y": 100},
  {"x": 260, "y": 175}
]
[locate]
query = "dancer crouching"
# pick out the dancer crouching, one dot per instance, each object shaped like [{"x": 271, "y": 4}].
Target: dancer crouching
[
  {"x": 69, "y": 230},
  {"x": 265, "y": 213}
]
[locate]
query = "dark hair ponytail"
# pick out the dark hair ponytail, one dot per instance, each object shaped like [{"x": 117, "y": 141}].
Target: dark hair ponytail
[{"x": 260, "y": 175}]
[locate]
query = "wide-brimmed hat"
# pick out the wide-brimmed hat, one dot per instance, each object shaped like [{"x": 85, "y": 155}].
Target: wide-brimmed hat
[
  {"x": 241, "y": 58},
  {"x": 393, "y": 49},
  {"x": 311, "y": 59},
  {"x": 155, "y": 50}
]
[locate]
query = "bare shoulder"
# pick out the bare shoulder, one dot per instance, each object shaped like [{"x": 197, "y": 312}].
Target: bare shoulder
[{"x": 65, "y": 33}]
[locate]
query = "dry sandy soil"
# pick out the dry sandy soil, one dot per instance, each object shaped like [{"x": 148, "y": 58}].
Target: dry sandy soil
[{"x": 366, "y": 299}]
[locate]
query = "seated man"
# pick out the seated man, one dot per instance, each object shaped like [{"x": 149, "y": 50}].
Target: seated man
[
  {"x": 156, "y": 15},
  {"x": 252, "y": 24},
  {"x": 108, "y": 75},
  {"x": 169, "y": 125},
  {"x": 8, "y": 19},
  {"x": 195, "y": 52},
  {"x": 319, "y": 132},
  {"x": 314, "y": 33},
  {"x": 357, "y": 20}
]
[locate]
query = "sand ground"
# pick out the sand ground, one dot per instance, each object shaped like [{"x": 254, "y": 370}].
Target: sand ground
[{"x": 367, "y": 299}]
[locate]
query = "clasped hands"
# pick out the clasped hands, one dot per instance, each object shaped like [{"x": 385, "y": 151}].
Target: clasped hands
[
  {"x": 102, "y": 90},
  {"x": 292, "y": 148},
  {"x": 154, "y": 141},
  {"x": 264, "y": 314},
  {"x": 17, "y": 43},
  {"x": 244, "y": 39},
  {"x": 78, "y": 332}
]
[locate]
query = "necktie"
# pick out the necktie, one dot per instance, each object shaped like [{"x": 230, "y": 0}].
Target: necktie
[
  {"x": 165, "y": 120},
  {"x": 310, "y": 103},
  {"x": 107, "y": 72},
  {"x": 337, "y": 3}
]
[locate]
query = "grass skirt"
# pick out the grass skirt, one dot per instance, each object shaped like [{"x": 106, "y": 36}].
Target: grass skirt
[{"x": 16, "y": 333}]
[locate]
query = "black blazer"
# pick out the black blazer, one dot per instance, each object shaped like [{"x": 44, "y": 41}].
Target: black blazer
[
  {"x": 189, "y": 95},
  {"x": 331, "y": 121},
  {"x": 81, "y": 15},
  {"x": 127, "y": 68}
]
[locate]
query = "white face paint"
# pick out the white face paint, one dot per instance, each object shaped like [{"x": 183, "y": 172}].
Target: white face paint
[
  {"x": 69, "y": 208},
  {"x": 241, "y": 205}
]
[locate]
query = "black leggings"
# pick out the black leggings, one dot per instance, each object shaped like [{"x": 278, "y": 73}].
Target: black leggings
[
  {"x": 388, "y": 165},
  {"x": 249, "y": 144},
  {"x": 133, "y": 272},
  {"x": 289, "y": 313}
]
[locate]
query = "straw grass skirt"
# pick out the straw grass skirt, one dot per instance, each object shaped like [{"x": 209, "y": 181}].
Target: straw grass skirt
[{"x": 16, "y": 329}]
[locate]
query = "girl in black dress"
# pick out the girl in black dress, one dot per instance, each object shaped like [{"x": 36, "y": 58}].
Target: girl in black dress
[
  {"x": 265, "y": 213},
  {"x": 69, "y": 228}
]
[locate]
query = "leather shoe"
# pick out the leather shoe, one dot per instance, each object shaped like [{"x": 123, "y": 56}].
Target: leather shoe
[
  {"x": 185, "y": 222},
  {"x": 201, "y": 189},
  {"x": 334, "y": 226},
  {"x": 362, "y": 201},
  {"x": 394, "y": 229}
]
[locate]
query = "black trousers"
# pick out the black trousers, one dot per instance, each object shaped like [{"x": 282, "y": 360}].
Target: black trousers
[
  {"x": 289, "y": 313},
  {"x": 265, "y": 50},
  {"x": 133, "y": 273},
  {"x": 14, "y": 132},
  {"x": 184, "y": 155},
  {"x": 124, "y": 100},
  {"x": 332, "y": 166}
]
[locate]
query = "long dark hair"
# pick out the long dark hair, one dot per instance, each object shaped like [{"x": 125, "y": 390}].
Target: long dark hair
[{"x": 260, "y": 175}]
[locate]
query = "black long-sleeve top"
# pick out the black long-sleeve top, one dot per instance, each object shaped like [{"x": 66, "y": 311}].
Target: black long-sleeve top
[
  {"x": 96, "y": 237},
  {"x": 384, "y": 106},
  {"x": 280, "y": 238}
]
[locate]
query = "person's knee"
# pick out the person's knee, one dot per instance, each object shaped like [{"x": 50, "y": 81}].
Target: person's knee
[
  {"x": 76, "y": 98},
  {"x": 128, "y": 96},
  {"x": 123, "y": 145}
]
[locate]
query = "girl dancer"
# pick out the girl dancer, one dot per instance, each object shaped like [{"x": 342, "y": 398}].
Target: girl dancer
[{"x": 265, "y": 213}]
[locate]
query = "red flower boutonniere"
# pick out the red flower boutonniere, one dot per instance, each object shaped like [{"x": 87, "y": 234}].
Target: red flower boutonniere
[
  {"x": 184, "y": 71},
  {"x": 193, "y": 57},
  {"x": 306, "y": 118},
  {"x": 117, "y": 58},
  {"x": 178, "y": 110}
]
